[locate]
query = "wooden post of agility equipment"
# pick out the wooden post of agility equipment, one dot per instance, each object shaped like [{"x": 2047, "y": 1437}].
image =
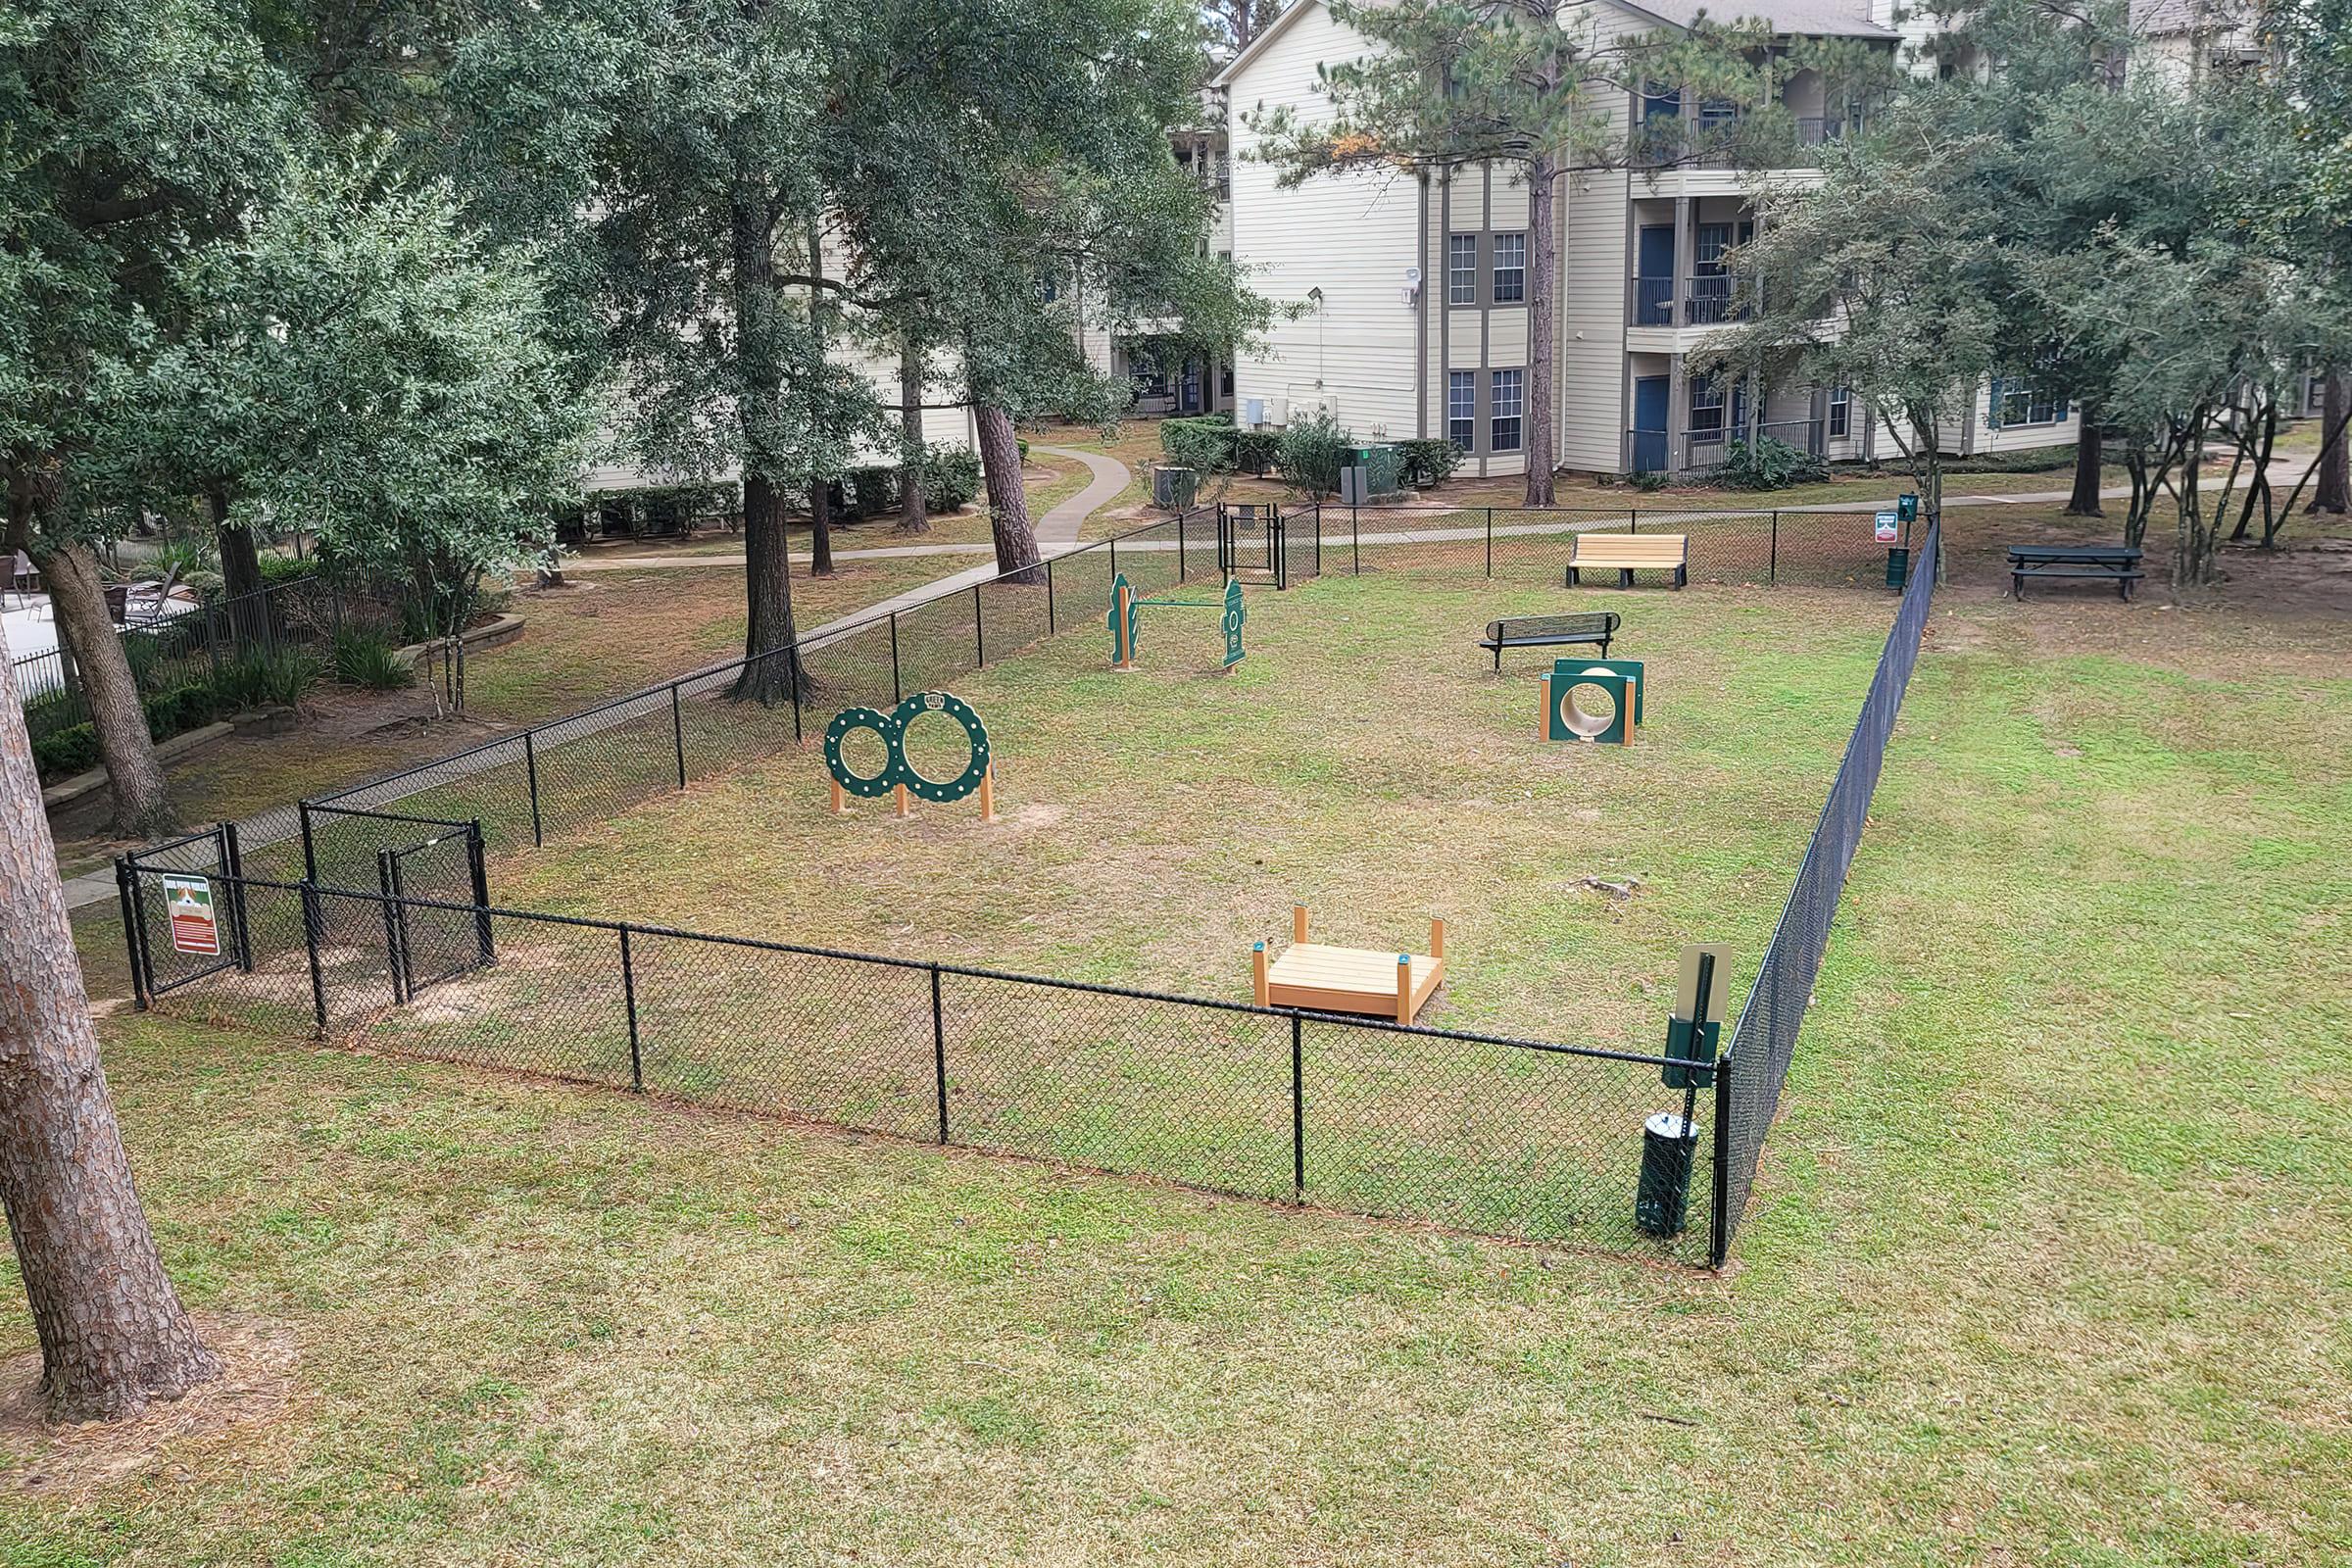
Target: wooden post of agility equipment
[
  {"x": 1404, "y": 987},
  {"x": 1436, "y": 937},
  {"x": 902, "y": 803},
  {"x": 1122, "y": 612},
  {"x": 1543, "y": 713},
  {"x": 841, "y": 798},
  {"x": 988, "y": 793},
  {"x": 1298, "y": 923},
  {"x": 1258, "y": 959}
]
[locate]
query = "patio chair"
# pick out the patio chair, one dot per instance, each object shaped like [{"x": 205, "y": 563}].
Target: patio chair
[{"x": 23, "y": 578}]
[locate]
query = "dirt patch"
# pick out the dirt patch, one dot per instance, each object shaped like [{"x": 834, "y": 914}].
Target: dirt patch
[{"x": 255, "y": 1386}]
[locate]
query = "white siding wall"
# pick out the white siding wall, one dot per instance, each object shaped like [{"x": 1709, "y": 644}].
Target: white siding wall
[
  {"x": 1351, "y": 235},
  {"x": 1592, "y": 256}
]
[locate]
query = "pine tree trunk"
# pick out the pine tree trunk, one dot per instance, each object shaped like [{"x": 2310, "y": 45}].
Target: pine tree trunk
[
  {"x": 2085, "y": 502},
  {"x": 821, "y": 528},
  {"x": 771, "y": 672},
  {"x": 1540, "y": 437},
  {"x": 134, "y": 777},
  {"x": 113, "y": 1333},
  {"x": 2332, "y": 491},
  {"x": 913, "y": 513},
  {"x": 1008, "y": 503}
]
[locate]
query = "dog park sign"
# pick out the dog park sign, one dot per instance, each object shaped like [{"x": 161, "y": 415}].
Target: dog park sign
[{"x": 195, "y": 925}]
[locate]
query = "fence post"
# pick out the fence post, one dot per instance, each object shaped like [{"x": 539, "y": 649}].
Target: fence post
[
  {"x": 1719, "y": 1222},
  {"x": 387, "y": 881},
  {"x": 1633, "y": 518},
  {"x": 1050, "y": 627},
  {"x": 677, "y": 731},
  {"x": 310, "y": 859},
  {"x": 791, "y": 678},
  {"x": 334, "y": 606},
  {"x": 1489, "y": 541},
  {"x": 1356, "y": 539},
  {"x": 939, "y": 1054},
  {"x": 628, "y": 991},
  {"x": 314, "y": 929},
  {"x": 530, "y": 767},
  {"x": 1180, "y": 577},
  {"x": 123, "y": 879},
  {"x": 478, "y": 863},
  {"x": 233, "y": 860},
  {"x": 1772, "y": 563},
  {"x": 897, "y": 694},
  {"x": 979, "y": 629},
  {"x": 1298, "y": 1114}
]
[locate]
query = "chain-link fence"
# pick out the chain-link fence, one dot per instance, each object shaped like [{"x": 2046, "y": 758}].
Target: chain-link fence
[
  {"x": 1478, "y": 1132},
  {"x": 1765, "y": 1039}
]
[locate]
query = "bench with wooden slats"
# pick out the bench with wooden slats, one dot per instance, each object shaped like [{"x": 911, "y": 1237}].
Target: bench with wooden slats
[
  {"x": 1629, "y": 552},
  {"x": 1550, "y": 631}
]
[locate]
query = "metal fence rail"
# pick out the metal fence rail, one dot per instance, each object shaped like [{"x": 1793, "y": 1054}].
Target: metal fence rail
[
  {"x": 1478, "y": 1132},
  {"x": 1764, "y": 1042}
]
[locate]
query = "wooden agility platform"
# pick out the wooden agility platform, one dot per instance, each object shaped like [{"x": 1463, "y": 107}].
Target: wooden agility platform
[{"x": 1327, "y": 979}]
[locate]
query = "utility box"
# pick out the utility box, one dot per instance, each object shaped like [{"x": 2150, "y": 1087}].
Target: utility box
[
  {"x": 1367, "y": 472},
  {"x": 1173, "y": 489}
]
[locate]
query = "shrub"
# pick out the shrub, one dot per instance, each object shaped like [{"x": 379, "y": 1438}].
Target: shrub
[
  {"x": 1021, "y": 445},
  {"x": 1427, "y": 460},
  {"x": 1648, "y": 481},
  {"x": 872, "y": 491},
  {"x": 1257, "y": 450},
  {"x": 276, "y": 568},
  {"x": 365, "y": 658},
  {"x": 951, "y": 476},
  {"x": 1768, "y": 465},
  {"x": 264, "y": 680},
  {"x": 1206, "y": 446},
  {"x": 69, "y": 751},
  {"x": 1310, "y": 452}
]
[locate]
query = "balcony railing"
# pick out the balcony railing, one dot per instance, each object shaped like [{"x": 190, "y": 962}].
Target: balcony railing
[
  {"x": 1698, "y": 451},
  {"x": 1737, "y": 141},
  {"x": 1704, "y": 299}
]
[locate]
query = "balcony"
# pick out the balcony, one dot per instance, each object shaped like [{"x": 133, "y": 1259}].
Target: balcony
[
  {"x": 1700, "y": 451},
  {"x": 1716, "y": 140},
  {"x": 1702, "y": 299}
]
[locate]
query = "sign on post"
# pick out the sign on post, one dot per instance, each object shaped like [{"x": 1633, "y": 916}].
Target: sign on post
[
  {"x": 188, "y": 901},
  {"x": 1889, "y": 527}
]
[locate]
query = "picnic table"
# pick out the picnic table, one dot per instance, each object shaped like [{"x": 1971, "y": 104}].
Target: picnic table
[{"x": 2116, "y": 563}]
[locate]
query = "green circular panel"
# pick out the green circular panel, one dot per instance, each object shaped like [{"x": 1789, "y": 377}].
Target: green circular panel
[
  {"x": 956, "y": 709},
  {"x": 847, "y": 722}
]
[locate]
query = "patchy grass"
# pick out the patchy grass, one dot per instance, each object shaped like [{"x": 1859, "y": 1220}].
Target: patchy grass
[{"x": 2049, "y": 1261}]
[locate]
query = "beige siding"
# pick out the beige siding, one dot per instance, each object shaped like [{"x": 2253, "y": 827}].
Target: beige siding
[{"x": 1352, "y": 236}]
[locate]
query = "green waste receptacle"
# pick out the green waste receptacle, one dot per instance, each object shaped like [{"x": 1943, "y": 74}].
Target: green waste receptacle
[
  {"x": 1664, "y": 1194},
  {"x": 1898, "y": 565}
]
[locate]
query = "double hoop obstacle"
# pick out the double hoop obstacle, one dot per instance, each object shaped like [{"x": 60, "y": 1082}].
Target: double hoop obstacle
[
  {"x": 1125, "y": 624},
  {"x": 898, "y": 776},
  {"x": 1575, "y": 693}
]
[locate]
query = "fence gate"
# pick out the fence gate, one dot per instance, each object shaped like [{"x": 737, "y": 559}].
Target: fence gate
[
  {"x": 183, "y": 910},
  {"x": 426, "y": 939},
  {"x": 1250, "y": 541}
]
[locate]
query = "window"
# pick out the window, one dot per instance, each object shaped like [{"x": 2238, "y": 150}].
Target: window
[
  {"x": 1841, "y": 411},
  {"x": 1661, "y": 100},
  {"x": 1510, "y": 269},
  {"x": 1049, "y": 287},
  {"x": 1706, "y": 408},
  {"x": 1510, "y": 387},
  {"x": 1462, "y": 269},
  {"x": 1708, "y": 243},
  {"x": 2018, "y": 401},
  {"x": 1461, "y": 409}
]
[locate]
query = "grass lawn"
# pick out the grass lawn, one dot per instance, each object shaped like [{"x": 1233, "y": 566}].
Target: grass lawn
[{"x": 2051, "y": 1259}]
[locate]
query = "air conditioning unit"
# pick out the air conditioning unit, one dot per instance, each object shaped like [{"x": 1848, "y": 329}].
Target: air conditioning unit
[
  {"x": 1254, "y": 411},
  {"x": 1412, "y": 292},
  {"x": 1278, "y": 410},
  {"x": 1172, "y": 489}
]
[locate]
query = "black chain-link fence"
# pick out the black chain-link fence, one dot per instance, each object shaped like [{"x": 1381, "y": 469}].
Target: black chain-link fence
[
  {"x": 1478, "y": 1132},
  {"x": 1765, "y": 1039}
]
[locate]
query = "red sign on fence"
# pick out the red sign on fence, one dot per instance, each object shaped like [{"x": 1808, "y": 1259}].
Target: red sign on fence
[{"x": 189, "y": 901}]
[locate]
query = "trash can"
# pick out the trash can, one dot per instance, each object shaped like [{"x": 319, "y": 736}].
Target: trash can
[
  {"x": 1667, "y": 1144},
  {"x": 1898, "y": 564}
]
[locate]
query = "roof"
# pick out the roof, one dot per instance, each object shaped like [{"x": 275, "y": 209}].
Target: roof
[
  {"x": 1803, "y": 19},
  {"x": 1265, "y": 37}
]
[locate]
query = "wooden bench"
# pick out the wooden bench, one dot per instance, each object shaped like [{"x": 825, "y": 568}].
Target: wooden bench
[
  {"x": 1550, "y": 631},
  {"x": 2116, "y": 563},
  {"x": 1629, "y": 552}
]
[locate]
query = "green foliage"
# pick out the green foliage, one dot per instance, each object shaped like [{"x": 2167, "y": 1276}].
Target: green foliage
[
  {"x": 369, "y": 659},
  {"x": 1649, "y": 482},
  {"x": 278, "y": 570},
  {"x": 2028, "y": 460},
  {"x": 951, "y": 476},
  {"x": 62, "y": 752},
  {"x": 1767, "y": 464},
  {"x": 1427, "y": 460},
  {"x": 1208, "y": 444},
  {"x": 259, "y": 679},
  {"x": 1310, "y": 452},
  {"x": 1257, "y": 450}
]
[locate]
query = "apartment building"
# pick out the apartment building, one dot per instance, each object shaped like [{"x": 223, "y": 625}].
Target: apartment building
[{"x": 1408, "y": 296}]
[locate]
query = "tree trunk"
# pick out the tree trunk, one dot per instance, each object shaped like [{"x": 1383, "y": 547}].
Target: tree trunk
[
  {"x": 1541, "y": 438},
  {"x": 770, "y": 672},
  {"x": 2333, "y": 491},
  {"x": 113, "y": 1333},
  {"x": 2085, "y": 502},
  {"x": 821, "y": 528},
  {"x": 913, "y": 511},
  {"x": 134, "y": 777},
  {"x": 1008, "y": 503},
  {"x": 240, "y": 576}
]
